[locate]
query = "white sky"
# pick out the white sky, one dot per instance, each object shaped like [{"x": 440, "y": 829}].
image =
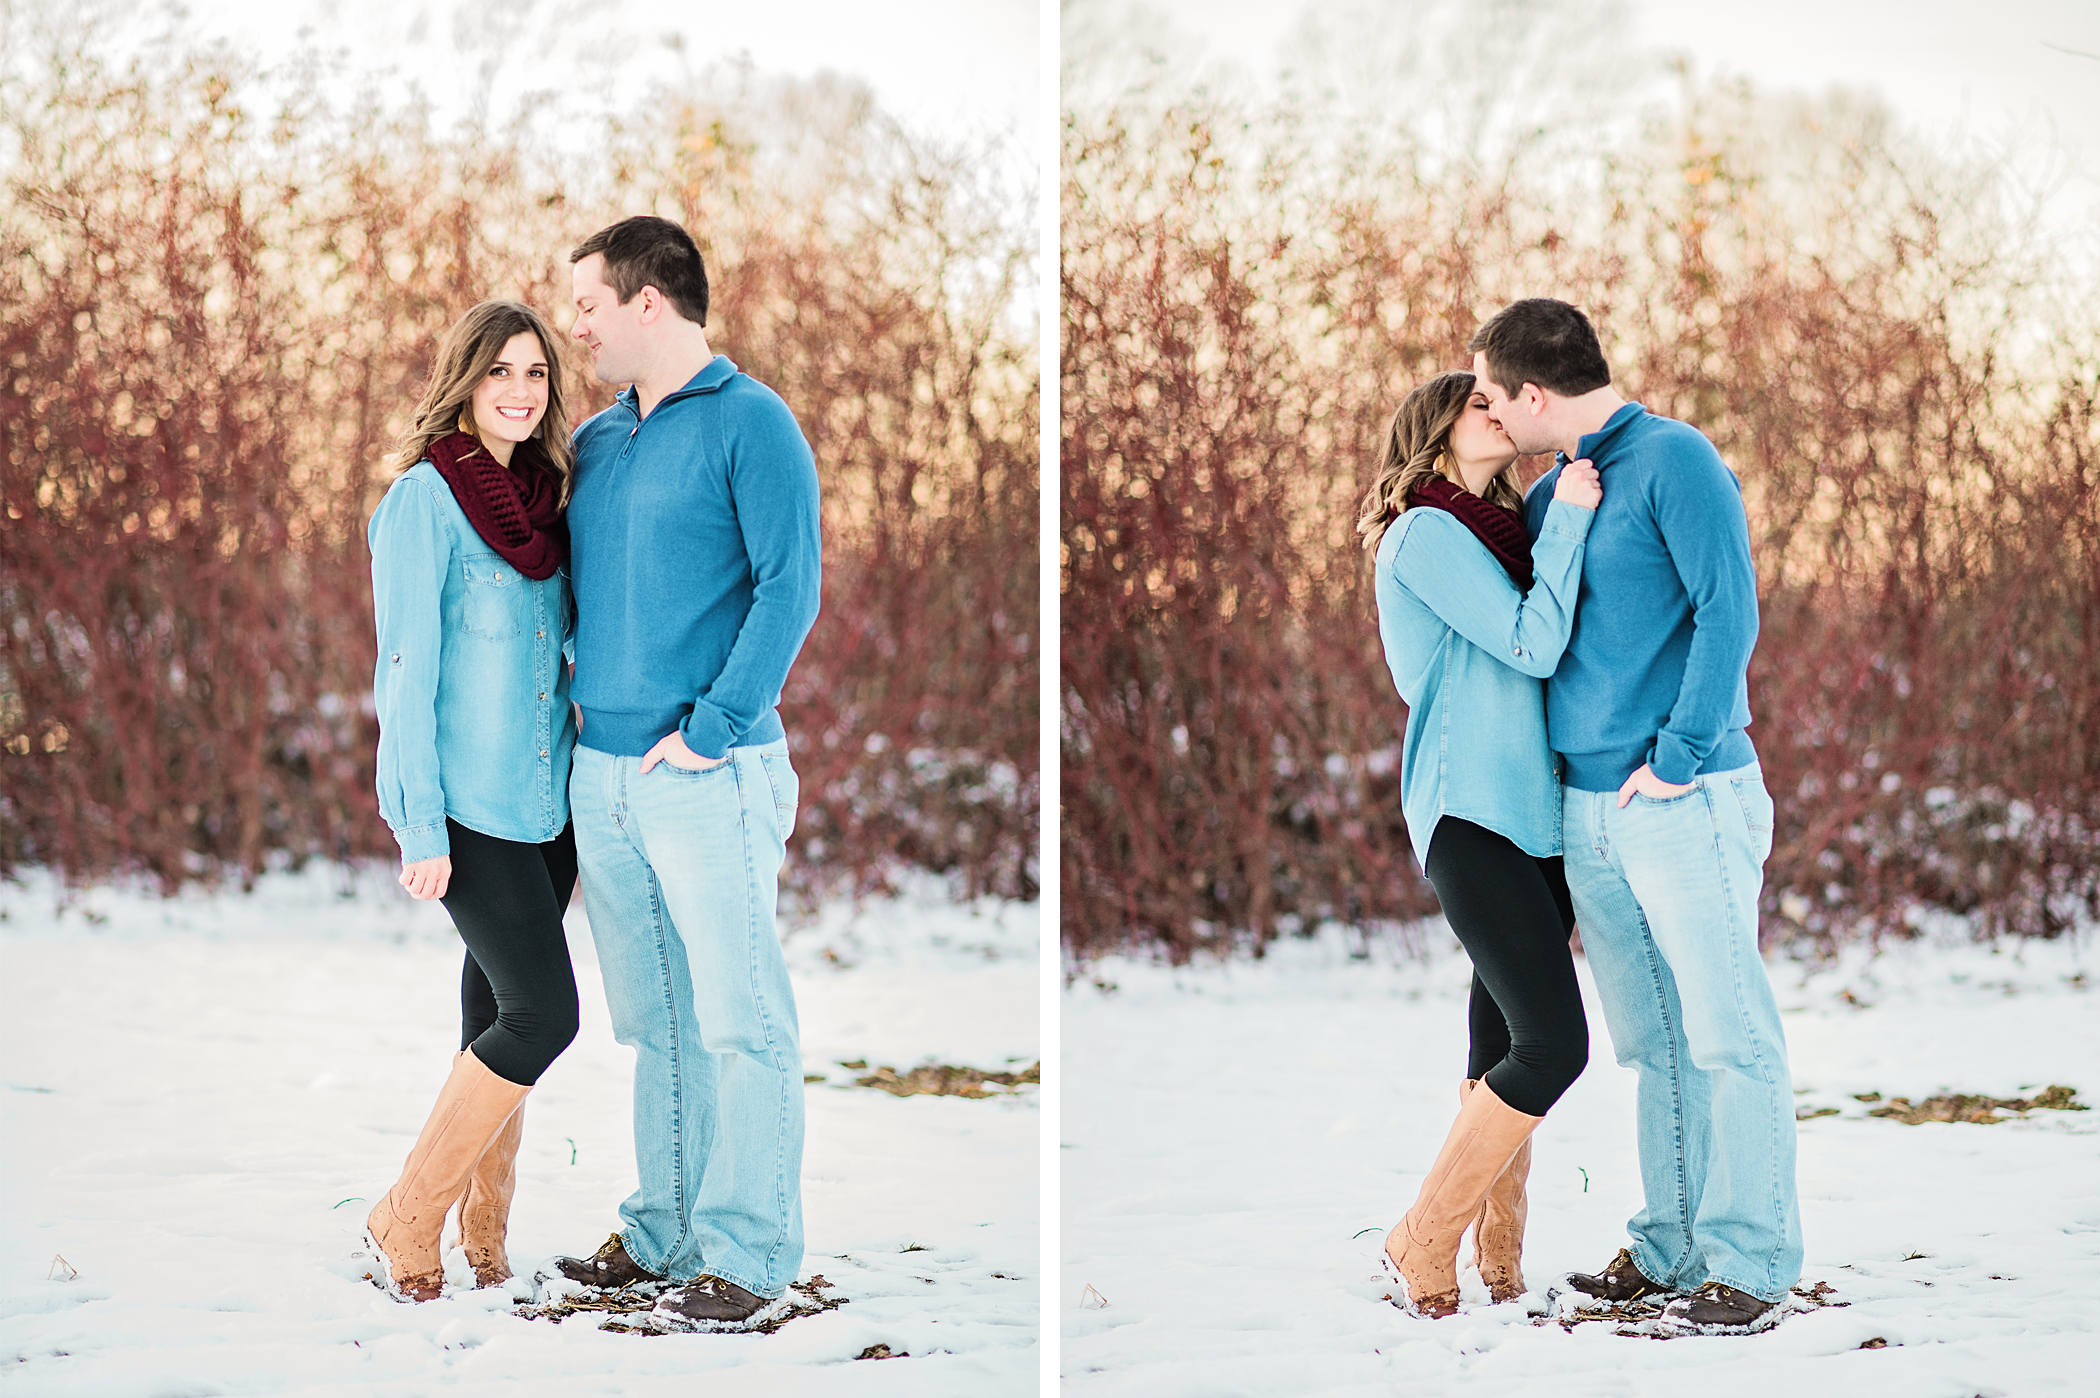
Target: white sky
[
  {"x": 1985, "y": 68},
  {"x": 954, "y": 67}
]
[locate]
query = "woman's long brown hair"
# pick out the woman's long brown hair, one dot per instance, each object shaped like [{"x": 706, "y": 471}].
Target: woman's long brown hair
[
  {"x": 470, "y": 348},
  {"x": 1417, "y": 446}
]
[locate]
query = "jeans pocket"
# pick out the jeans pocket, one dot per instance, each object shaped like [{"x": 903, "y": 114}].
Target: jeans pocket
[
  {"x": 787, "y": 789},
  {"x": 490, "y": 607},
  {"x": 1757, "y": 807},
  {"x": 1641, "y": 798},
  {"x": 696, "y": 773}
]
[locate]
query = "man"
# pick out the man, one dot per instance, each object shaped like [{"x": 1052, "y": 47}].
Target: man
[
  {"x": 1666, "y": 823},
  {"x": 695, "y": 560}
]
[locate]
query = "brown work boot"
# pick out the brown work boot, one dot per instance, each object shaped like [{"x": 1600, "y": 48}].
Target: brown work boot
[
  {"x": 1719, "y": 1309},
  {"x": 484, "y": 1211},
  {"x": 710, "y": 1303},
  {"x": 1498, "y": 1229},
  {"x": 406, "y": 1228},
  {"x": 1622, "y": 1280},
  {"x": 609, "y": 1268},
  {"x": 1422, "y": 1249}
]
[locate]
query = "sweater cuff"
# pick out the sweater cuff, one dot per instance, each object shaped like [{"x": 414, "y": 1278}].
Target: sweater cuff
[
  {"x": 420, "y": 842},
  {"x": 707, "y": 732},
  {"x": 1673, "y": 760}
]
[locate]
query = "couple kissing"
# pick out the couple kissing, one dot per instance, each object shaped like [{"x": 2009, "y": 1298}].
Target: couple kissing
[{"x": 1574, "y": 662}]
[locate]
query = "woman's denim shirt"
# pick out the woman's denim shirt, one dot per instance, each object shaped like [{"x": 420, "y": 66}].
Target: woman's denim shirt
[
  {"x": 470, "y": 688},
  {"x": 1470, "y": 655}
]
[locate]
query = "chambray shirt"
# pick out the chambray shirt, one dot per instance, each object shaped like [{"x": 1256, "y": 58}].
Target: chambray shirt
[
  {"x": 1470, "y": 654},
  {"x": 470, "y": 688}
]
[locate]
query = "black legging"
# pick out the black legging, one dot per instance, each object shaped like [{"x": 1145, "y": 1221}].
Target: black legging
[
  {"x": 1512, "y": 914},
  {"x": 517, "y": 995}
]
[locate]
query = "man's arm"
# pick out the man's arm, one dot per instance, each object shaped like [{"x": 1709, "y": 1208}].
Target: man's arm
[
  {"x": 1699, "y": 509},
  {"x": 773, "y": 482}
]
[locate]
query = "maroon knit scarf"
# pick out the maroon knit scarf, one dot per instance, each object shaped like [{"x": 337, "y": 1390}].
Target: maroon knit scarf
[
  {"x": 1502, "y": 530},
  {"x": 517, "y": 512}
]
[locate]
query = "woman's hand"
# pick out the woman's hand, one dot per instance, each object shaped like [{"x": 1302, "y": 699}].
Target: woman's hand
[
  {"x": 428, "y": 878},
  {"x": 1579, "y": 485}
]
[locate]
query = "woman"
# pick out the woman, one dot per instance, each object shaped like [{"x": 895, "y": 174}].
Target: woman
[
  {"x": 471, "y": 590},
  {"x": 1473, "y": 616}
]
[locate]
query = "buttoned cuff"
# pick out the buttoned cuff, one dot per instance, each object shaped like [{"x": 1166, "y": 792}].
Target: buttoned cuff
[
  {"x": 1570, "y": 521},
  {"x": 420, "y": 842}
]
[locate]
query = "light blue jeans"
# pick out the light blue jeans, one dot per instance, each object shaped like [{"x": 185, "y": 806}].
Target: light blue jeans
[
  {"x": 680, "y": 881},
  {"x": 1665, "y": 896}
]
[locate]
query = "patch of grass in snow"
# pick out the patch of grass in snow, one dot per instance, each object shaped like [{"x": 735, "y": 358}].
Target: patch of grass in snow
[
  {"x": 945, "y": 1080},
  {"x": 1983, "y": 1111}
]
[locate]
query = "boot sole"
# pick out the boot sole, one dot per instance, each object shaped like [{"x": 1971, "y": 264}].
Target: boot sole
[{"x": 673, "y": 1323}]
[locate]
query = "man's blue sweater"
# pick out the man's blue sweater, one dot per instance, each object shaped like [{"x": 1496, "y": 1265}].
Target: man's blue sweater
[
  {"x": 695, "y": 557},
  {"x": 1657, "y": 668}
]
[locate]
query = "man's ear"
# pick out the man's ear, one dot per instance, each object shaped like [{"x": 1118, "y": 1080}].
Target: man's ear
[
  {"x": 1533, "y": 398},
  {"x": 652, "y": 305}
]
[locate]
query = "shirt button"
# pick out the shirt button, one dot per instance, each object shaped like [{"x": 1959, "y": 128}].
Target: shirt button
[
  {"x": 1518, "y": 651},
  {"x": 543, "y": 752},
  {"x": 541, "y": 634}
]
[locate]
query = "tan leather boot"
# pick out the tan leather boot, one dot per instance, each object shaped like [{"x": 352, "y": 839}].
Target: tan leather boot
[
  {"x": 1423, "y": 1246},
  {"x": 484, "y": 1211},
  {"x": 408, "y": 1225},
  {"x": 1498, "y": 1229}
]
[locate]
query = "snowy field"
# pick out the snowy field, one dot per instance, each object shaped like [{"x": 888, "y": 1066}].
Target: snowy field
[
  {"x": 1237, "y": 1140},
  {"x": 199, "y": 1099}
]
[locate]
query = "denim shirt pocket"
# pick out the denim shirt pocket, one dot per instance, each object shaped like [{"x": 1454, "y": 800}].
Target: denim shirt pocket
[{"x": 492, "y": 599}]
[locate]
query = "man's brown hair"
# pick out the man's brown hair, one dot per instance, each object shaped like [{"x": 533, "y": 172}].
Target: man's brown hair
[
  {"x": 1542, "y": 341},
  {"x": 650, "y": 251}
]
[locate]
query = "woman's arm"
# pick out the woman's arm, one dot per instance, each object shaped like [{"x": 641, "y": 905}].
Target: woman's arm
[
  {"x": 411, "y": 555},
  {"x": 1452, "y": 573}
]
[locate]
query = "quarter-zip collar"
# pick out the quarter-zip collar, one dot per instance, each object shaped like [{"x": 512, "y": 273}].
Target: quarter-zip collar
[
  {"x": 713, "y": 375},
  {"x": 1586, "y": 446}
]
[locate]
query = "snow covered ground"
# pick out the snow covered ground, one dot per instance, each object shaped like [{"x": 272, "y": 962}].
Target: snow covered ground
[
  {"x": 1238, "y": 1138},
  {"x": 199, "y": 1097}
]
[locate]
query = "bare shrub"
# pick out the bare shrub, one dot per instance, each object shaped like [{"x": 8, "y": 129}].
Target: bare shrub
[
  {"x": 216, "y": 310},
  {"x": 1884, "y": 359}
]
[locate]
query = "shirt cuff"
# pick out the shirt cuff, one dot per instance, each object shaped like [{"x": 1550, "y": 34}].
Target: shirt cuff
[
  {"x": 420, "y": 842},
  {"x": 1573, "y": 521}
]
